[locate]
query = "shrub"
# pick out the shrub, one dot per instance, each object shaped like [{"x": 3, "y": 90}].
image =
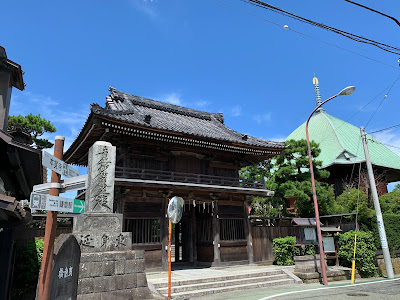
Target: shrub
[
  {"x": 284, "y": 250},
  {"x": 365, "y": 252},
  {"x": 26, "y": 269},
  {"x": 392, "y": 228},
  {"x": 309, "y": 250}
]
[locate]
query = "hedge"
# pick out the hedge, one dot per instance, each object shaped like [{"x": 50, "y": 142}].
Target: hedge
[
  {"x": 365, "y": 252},
  {"x": 284, "y": 250},
  {"x": 392, "y": 228}
]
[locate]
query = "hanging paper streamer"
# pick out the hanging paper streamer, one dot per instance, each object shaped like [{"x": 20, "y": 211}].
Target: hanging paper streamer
[
  {"x": 204, "y": 206},
  {"x": 194, "y": 203}
]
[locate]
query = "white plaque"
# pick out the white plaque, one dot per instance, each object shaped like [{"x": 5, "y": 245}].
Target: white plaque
[{"x": 57, "y": 165}]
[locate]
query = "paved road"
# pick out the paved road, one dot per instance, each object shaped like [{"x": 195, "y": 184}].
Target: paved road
[
  {"x": 385, "y": 289},
  {"x": 381, "y": 289}
]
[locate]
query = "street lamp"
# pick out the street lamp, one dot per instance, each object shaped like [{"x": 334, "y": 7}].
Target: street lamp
[{"x": 345, "y": 92}]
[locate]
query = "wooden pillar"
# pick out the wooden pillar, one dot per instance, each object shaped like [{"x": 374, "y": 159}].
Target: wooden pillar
[
  {"x": 247, "y": 232},
  {"x": 193, "y": 244},
  {"x": 164, "y": 232},
  {"x": 216, "y": 241},
  {"x": 177, "y": 231}
]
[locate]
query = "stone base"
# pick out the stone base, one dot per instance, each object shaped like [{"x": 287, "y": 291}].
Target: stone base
[
  {"x": 308, "y": 263},
  {"x": 105, "y": 241},
  {"x": 113, "y": 275},
  {"x": 332, "y": 275},
  {"x": 380, "y": 262}
]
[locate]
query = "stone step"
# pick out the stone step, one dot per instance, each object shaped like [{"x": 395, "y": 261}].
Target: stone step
[
  {"x": 198, "y": 293},
  {"x": 223, "y": 283},
  {"x": 164, "y": 283}
]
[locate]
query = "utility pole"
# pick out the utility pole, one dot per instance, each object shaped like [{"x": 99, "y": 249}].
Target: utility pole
[{"x": 379, "y": 219}]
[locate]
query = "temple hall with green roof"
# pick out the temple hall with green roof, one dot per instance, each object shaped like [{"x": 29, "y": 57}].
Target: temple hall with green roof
[{"x": 342, "y": 149}]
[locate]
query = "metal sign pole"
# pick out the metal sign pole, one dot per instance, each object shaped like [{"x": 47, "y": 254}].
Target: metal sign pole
[
  {"x": 169, "y": 259},
  {"x": 50, "y": 231}
]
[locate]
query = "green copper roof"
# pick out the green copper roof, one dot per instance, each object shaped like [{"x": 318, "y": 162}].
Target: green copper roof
[{"x": 340, "y": 143}]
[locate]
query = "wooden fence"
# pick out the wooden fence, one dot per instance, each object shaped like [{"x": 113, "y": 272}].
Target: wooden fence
[{"x": 263, "y": 236}]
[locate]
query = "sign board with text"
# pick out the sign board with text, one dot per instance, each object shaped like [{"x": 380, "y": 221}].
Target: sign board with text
[
  {"x": 55, "y": 203},
  {"x": 65, "y": 272},
  {"x": 57, "y": 165}
]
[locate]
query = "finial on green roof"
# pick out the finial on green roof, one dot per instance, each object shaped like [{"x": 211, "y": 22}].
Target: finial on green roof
[{"x": 317, "y": 92}]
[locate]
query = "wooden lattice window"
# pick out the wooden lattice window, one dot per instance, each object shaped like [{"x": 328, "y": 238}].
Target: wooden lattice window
[
  {"x": 144, "y": 231},
  {"x": 232, "y": 229}
]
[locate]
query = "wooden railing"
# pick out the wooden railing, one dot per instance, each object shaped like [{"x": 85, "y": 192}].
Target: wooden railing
[{"x": 146, "y": 174}]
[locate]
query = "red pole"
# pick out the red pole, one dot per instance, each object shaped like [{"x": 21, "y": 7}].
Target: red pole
[
  {"x": 50, "y": 231},
  {"x": 321, "y": 247},
  {"x": 169, "y": 259}
]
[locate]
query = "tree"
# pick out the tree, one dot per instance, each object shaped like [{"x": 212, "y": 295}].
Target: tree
[
  {"x": 260, "y": 206},
  {"x": 347, "y": 203},
  {"x": 291, "y": 178},
  {"x": 390, "y": 202},
  {"x": 36, "y": 126}
]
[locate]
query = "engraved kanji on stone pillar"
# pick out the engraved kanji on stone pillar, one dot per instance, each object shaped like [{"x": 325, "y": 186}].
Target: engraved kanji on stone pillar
[{"x": 101, "y": 175}]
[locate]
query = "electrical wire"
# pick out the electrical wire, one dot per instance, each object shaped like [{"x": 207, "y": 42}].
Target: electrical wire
[
  {"x": 357, "y": 38},
  {"x": 306, "y": 35},
  {"x": 384, "y": 129},
  {"x": 386, "y": 95},
  {"x": 375, "y": 11}
]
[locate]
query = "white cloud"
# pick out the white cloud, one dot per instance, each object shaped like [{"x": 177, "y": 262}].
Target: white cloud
[
  {"x": 262, "y": 118},
  {"x": 173, "y": 98},
  {"x": 67, "y": 119},
  {"x": 147, "y": 7},
  {"x": 389, "y": 138},
  {"x": 236, "y": 111},
  {"x": 202, "y": 104},
  {"x": 276, "y": 138}
]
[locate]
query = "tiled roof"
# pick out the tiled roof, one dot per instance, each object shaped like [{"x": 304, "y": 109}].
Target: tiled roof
[
  {"x": 149, "y": 113},
  {"x": 340, "y": 143}
]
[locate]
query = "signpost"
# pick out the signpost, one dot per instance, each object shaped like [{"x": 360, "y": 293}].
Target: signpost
[
  {"x": 175, "y": 209},
  {"x": 57, "y": 165},
  {"x": 55, "y": 203},
  {"x": 51, "y": 224}
]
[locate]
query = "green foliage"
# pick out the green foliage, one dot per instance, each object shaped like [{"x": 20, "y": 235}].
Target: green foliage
[
  {"x": 347, "y": 203},
  {"x": 26, "y": 270},
  {"x": 291, "y": 178},
  {"x": 35, "y": 125},
  {"x": 262, "y": 207},
  {"x": 284, "y": 250},
  {"x": 256, "y": 172},
  {"x": 310, "y": 250},
  {"x": 390, "y": 202},
  {"x": 365, "y": 252},
  {"x": 392, "y": 228}
]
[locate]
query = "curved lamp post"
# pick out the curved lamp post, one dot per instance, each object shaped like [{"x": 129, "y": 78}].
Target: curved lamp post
[{"x": 347, "y": 91}]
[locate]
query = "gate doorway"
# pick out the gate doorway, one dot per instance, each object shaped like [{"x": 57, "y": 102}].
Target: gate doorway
[{"x": 192, "y": 238}]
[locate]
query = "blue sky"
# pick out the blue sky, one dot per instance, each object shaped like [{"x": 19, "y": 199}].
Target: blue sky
[{"x": 218, "y": 56}]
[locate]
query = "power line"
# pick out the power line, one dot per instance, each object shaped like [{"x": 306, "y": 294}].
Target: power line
[
  {"x": 375, "y": 11},
  {"x": 349, "y": 35},
  {"x": 384, "y": 129},
  {"x": 306, "y": 35},
  {"x": 386, "y": 95}
]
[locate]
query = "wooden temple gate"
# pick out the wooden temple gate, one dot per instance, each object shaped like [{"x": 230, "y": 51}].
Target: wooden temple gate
[{"x": 165, "y": 150}]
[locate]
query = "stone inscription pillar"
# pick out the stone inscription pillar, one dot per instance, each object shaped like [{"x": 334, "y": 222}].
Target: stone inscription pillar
[
  {"x": 99, "y": 229},
  {"x": 108, "y": 268}
]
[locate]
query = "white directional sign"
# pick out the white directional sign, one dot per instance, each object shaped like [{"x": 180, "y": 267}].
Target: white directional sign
[
  {"x": 54, "y": 203},
  {"x": 57, "y": 165}
]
